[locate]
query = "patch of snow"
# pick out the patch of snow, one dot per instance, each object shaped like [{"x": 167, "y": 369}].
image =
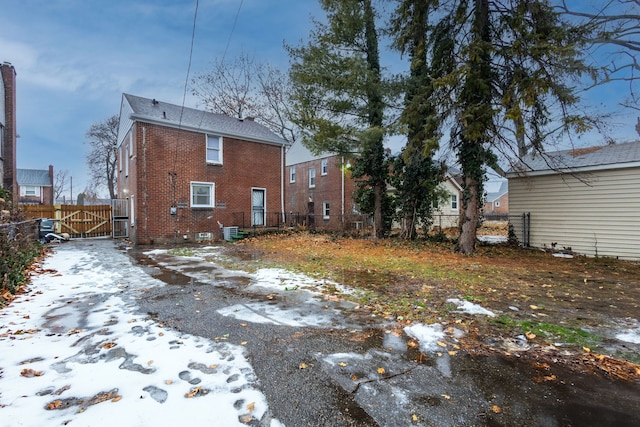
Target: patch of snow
[
  {"x": 493, "y": 239},
  {"x": 427, "y": 336},
  {"x": 632, "y": 336},
  {"x": 266, "y": 313},
  {"x": 470, "y": 308}
]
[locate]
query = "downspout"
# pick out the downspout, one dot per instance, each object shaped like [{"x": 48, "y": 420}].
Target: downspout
[{"x": 282, "y": 185}]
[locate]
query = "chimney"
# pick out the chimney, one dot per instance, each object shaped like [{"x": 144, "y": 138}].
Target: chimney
[{"x": 8, "y": 79}]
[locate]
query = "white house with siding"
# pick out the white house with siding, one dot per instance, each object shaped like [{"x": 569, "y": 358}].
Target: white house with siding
[{"x": 585, "y": 199}]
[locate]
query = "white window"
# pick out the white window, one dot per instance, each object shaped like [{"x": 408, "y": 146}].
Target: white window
[
  {"x": 325, "y": 210},
  {"x": 454, "y": 202},
  {"x": 29, "y": 190},
  {"x": 325, "y": 167},
  {"x": 292, "y": 174},
  {"x": 214, "y": 149},
  {"x": 312, "y": 177},
  {"x": 202, "y": 194}
]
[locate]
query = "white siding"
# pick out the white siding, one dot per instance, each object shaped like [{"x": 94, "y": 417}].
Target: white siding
[
  {"x": 595, "y": 214},
  {"x": 125, "y": 120},
  {"x": 445, "y": 216}
]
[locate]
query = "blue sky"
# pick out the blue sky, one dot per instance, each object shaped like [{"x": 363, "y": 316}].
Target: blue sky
[{"x": 75, "y": 58}]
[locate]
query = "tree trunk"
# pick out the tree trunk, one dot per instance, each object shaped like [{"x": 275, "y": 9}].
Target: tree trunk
[{"x": 470, "y": 217}]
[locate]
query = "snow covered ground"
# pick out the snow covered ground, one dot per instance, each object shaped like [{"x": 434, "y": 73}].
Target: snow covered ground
[{"x": 74, "y": 351}]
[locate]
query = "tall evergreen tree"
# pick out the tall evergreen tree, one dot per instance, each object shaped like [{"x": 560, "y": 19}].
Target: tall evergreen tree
[
  {"x": 338, "y": 97},
  {"x": 510, "y": 90},
  {"x": 415, "y": 175}
]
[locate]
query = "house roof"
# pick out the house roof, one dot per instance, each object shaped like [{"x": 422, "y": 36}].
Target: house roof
[
  {"x": 34, "y": 177},
  {"x": 158, "y": 112},
  {"x": 495, "y": 195},
  {"x": 613, "y": 156},
  {"x": 298, "y": 153}
]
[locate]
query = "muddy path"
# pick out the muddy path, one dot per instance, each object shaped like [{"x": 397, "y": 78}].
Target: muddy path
[{"x": 324, "y": 361}]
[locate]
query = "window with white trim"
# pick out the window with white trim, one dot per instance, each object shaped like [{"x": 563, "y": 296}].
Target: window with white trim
[
  {"x": 324, "y": 167},
  {"x": 454, "y": 202},
  {"x": 202, "y": 194},
  {"x": 496, "y": 203},
  {"x": 325, "y": 210},
  {"x": 312, "y": 178},
  {"x": 292, "y": 173},
  {"x": 29, "y": 190},
  {"x": 214, "y": 149}
]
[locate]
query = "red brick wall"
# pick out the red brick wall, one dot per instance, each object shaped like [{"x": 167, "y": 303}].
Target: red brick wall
[
  {"x": 328, "y": 188},
  {"x": 163, "y": 163}
]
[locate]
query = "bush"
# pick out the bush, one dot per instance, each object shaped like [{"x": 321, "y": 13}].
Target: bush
[{"x": 19, "y": 246}]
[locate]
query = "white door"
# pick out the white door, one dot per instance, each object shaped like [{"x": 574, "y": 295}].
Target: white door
[{"x": 258, "y": 207}]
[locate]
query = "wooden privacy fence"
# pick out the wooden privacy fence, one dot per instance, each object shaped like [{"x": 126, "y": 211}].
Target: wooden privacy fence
[{"x": 78, "y": 221}]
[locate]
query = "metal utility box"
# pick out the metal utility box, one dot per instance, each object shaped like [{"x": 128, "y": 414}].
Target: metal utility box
[{"x": 229, "y": 233}]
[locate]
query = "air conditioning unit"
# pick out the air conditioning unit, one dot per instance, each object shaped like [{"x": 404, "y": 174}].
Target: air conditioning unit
[{"x": 204, "y": 236}]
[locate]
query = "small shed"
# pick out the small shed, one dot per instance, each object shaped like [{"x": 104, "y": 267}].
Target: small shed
[{"x": 585, "y": 200}]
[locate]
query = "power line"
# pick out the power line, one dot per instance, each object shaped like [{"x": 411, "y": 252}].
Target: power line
[{"x": 233, "y": 28}]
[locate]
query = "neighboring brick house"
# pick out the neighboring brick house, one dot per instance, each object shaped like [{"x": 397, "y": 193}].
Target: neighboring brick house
[
  {"x": 497, "y": 202},
  {"x": 320, "y": 190},
  {"x": 8, "y": 129},
  {"x": 185, "y": 171},
  {"x": 35, "y": 186}
]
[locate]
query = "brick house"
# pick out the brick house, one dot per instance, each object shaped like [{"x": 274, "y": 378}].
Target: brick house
[
  {"x": 497, "y": 202},
  {"x": 184, "y": 172},
  {"x": 35, "y": 186},
  {"x": 8, "y": 129},
  {"x": 320, "y": 190}
]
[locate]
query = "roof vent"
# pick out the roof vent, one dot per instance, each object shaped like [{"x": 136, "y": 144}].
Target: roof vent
[
  {"x": 164, "y": 114},
  {"x": 154, "y": 102}
]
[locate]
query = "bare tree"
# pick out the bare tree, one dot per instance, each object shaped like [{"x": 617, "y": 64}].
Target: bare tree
[
  {"x": 101, "y": 160},
  {"x": 614, "y": 25},
  {"x": 60, "y": 184},
  {"x": 246, "y": 88}
]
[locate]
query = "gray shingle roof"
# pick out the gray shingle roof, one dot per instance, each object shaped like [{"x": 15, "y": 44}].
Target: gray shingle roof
[
  {"x": 199, "y": 120},
  {"x": 599, "y": 157},
  {"x": 34, "y": 177}
]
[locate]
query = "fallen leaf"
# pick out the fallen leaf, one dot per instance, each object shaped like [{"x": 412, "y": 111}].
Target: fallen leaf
[
  {"x": 168, "y": 382},
  {"x": 30, "y": 373},
  {"x": 54, "y": 405},
  {"x": 533, "y": 307},
  {"x": 354, "y": 377},
  {"x": 243, "y": 343},
  {"x": 303, "y": 366},
  {"x": 194, "y": 392},
  {"x": 246, "y": 419},
  {"x": 496, "y": 409},
  {"x": 381, "y": 371},
  {"x": 586, "y": 349},
  {"x": 116, "y": 399},
  {"x": 441, "y": 344},
  {"x": 414, "y": 418},
  {"x": 446, "y": 396},
  {"x": 109, "y": 345},
  {"x": 530, "y": 335},
  {"x": 150, "y": 362},
  {"x": 251, "y": 407},
  {"x": 452, "y": 353}
]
